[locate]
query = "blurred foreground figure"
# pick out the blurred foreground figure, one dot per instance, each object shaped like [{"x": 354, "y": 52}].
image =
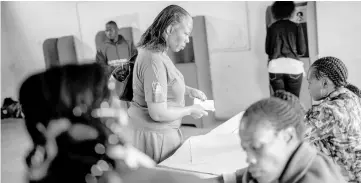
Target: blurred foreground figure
[{"x": 78, "y": 130}]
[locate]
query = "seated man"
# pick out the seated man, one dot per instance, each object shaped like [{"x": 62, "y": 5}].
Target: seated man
[
  {"x": 114, "y": 51},
  {"x": 115, "y": 48},
  {"x": 271, "y": 133}
]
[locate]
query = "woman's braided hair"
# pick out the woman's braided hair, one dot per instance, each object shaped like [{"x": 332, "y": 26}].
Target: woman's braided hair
[
  {"x": 334, "y": 69},
  {"x": 291, "y": 98},
  {"x": 278, "y": 112},
  {"x": 153, "y": 37}
]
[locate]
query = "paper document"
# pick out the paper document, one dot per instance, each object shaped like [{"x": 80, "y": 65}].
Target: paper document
[
  {"x": 118, "y": 62},
  {"x": 207, "y": 148},
  {"x": 207, "y": 104},
  {"x": 230, "y": 126},
  {"x": 217, "y": 152},
  {"x": 210, "y": 154}
]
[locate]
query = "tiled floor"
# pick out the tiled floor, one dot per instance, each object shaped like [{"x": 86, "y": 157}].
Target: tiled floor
[{"x": 15, "y": 143}]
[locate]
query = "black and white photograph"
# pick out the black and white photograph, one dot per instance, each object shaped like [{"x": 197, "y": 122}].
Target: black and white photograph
[{"x": 180, "y": 91}]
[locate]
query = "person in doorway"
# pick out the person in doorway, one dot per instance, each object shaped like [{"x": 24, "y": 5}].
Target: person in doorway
[
  {"x": 158, "y": 104},
  {"x": 285, "y": 42}
]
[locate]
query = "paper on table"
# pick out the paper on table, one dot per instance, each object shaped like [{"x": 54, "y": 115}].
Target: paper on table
[
  {"x": 206, "y": 148},
  {"x": 207, "y": 104},
  {"x": 230, "y": 126},
  {"x": 218, "y": 166},
  {"x": 210, "y": 154},
  {"x": 189, "y": 156}
]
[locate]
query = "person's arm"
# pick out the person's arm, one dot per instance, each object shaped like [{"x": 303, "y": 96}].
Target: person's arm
[
  {"x": 268, "y": 41},
  {"x": 195, "y": 93},
  {"x": 133, "y": 49},
  {"x": 301, "y": 42},
  {"x": 101, "y": 58},
  {"x": 268, "y": 17},
  {"x": 188, "y": 90},
  {"x": 320, "y": 121},
  {"x": 155, "y": 89}
]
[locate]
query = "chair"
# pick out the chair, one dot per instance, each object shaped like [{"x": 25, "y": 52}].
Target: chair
[{"x": 59, "y": 51}]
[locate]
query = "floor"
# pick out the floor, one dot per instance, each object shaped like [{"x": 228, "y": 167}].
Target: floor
[{"x": 15, "y": 142}]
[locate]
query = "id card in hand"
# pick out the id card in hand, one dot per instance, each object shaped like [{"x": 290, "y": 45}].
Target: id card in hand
[{"x": 207, "y": 104}]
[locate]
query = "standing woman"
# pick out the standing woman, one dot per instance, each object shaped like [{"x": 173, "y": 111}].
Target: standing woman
[
  {"x": 158, "y": 106},
  {"x": 285, "y": 42}
]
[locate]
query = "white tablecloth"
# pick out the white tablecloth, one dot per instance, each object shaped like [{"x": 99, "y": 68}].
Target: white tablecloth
[{"x": 212, "y": 154}]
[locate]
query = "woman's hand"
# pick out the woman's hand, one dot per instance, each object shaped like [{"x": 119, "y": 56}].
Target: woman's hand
[
  {"x": 132, "y": 157},
  {"x": 114, "y": 111},
  {"x": 194, "y": 93},
  {"x": 197, "y": 111}
]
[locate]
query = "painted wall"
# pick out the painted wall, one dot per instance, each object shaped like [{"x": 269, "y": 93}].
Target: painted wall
[
  {"x": 240, "y": 78},
  {"x": 24, "y": 27},
  {"x": 339, "y": 34}
]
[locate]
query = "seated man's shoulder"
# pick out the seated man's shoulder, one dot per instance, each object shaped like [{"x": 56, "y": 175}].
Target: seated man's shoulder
[{"x": 323, "y": 170}]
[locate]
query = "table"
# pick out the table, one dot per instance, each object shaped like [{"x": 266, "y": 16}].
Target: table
[{"x": 188, "y": 158}]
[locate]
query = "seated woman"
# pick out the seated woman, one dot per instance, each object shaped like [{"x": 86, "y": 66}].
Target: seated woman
[
  {"x": 158, "y": 104},
  {"x": 271, "y": 133},
  {"x": 76, "y": 127},
  {"x": 334, "y": 125}
]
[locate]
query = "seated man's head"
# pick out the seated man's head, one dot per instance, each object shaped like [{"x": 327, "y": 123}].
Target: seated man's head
[
  {"x": 111, "y": 30},
  {"x": 326, "y": 75},
  {"x": 270, "y": 131}
]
